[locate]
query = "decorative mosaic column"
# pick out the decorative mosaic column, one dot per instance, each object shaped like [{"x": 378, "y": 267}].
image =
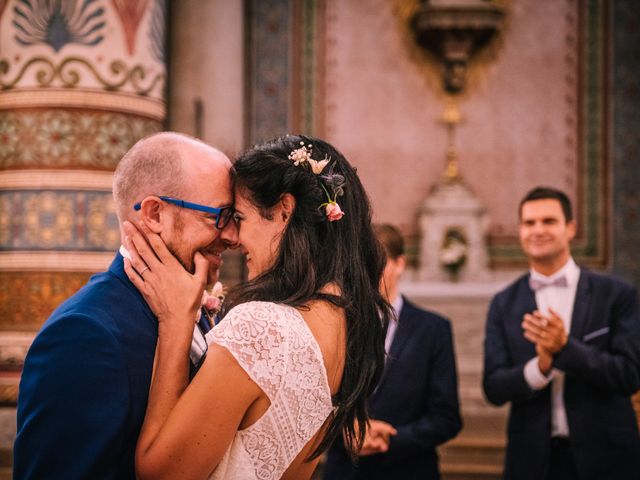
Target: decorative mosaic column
[{"x": 80, "y": 82}]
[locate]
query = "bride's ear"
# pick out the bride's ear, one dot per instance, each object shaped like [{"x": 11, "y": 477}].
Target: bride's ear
[
  {"x": 153, "y": 213},
  {"x": 287, "y": 204}
]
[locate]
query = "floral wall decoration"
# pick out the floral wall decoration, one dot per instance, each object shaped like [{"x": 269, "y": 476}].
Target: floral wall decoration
[
  {"x": 58, "y": 23},
  {"x": 76, "y": 44},
  {"x": 130, "y": 13}
]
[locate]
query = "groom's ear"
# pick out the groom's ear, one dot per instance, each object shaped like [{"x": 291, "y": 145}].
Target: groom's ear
[{"x": 153, "y": 213}]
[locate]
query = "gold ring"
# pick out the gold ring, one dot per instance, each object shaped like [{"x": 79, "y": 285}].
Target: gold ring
[{"x": 143, "y": 270}]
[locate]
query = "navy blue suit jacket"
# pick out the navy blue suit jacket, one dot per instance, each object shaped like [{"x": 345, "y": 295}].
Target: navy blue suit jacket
[
  {"x": 85, "y": 383},
  {"x": 601, "y": 362},
  {"x": 418, "y": 395}
]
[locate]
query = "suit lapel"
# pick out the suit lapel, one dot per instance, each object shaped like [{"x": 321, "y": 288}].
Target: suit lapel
[
  {"x": 525, "y": 303},
  {"x": 528, "y": 298},
  {"x": 581, "y": 306},
  {"x": 399, "y": 340},
  {"x": 522, "y": 302},
  {"x": 401, "y": 336}
]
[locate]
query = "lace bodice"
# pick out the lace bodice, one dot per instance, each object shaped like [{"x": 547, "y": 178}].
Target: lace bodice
[{"x": 274, "y": 345}]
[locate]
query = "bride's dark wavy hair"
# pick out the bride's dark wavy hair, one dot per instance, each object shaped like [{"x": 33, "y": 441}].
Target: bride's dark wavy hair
[{"x": 315, "y": 252}]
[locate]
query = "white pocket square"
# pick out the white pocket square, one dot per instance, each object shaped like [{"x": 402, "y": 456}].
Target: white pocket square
[{"x": 595, "y": 334}]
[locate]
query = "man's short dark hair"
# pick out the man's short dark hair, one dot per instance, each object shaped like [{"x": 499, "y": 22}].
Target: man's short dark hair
[
  {"x": 391, "y": 239},
  {"x": 543, "y": 193}
]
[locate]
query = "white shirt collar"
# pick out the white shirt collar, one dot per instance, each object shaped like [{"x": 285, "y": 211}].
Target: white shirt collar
[
  {"x": 124, "y": 252},
  {"x": 570, "y": 270},
  {"x": 397, "y": 305}
]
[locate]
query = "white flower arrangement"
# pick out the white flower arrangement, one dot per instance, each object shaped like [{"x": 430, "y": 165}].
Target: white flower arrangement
[{"x": 453, "y": 253}]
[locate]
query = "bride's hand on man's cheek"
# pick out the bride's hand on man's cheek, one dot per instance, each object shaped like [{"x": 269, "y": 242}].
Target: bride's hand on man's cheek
[{"x": 173, "y": 294}]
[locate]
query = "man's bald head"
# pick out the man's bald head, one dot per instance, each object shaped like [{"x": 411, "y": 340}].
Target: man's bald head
[{"x": 160, "y": 164}]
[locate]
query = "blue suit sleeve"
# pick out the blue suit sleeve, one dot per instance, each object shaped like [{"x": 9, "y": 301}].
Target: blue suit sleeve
[
  {"x": 73, "y": 403},
  {"x": 616, "y": 369},
  {"x": 502, "y": 380},
  {"x": 441, "y": 420}
]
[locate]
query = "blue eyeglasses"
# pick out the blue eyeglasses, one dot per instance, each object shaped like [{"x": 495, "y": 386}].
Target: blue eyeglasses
[{"x": 223, "y": 214}]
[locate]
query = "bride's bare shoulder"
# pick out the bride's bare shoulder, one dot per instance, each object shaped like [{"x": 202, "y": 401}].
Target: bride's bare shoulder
[{"x": 327, "y": 323}]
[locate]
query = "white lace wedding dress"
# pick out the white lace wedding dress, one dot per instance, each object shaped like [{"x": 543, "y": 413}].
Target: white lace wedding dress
[{"x": 274, "y": 345}]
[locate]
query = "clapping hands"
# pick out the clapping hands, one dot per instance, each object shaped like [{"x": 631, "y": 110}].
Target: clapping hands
[{"x": 548, "y": 334}]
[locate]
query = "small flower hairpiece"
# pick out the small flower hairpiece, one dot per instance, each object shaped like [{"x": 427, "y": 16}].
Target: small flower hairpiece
[
  {"x": 318, "y": 166},
  {"x": 302, "y": 155}
]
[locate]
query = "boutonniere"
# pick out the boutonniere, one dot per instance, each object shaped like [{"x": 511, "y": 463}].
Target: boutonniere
[{"x": 212, "y": 302}]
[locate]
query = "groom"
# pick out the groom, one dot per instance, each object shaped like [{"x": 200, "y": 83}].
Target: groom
[{"x": 84, "y": 387}]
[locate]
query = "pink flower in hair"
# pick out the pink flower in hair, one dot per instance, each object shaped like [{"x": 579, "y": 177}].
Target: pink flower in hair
[{"x": 333, "y": 211}]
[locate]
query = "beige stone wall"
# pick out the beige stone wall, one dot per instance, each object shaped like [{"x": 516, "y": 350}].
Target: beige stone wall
[
  {"x": 382, "y": 108},
  {"x": 206, "y": 65}
]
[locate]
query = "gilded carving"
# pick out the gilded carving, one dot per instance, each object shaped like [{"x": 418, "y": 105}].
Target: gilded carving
[{"x": 430, "y": 65}]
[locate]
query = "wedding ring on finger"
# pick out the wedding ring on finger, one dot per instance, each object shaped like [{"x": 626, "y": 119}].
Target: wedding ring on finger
[
  {"x": 545, "y": 322},
  {"x": 143, "y": 270}
]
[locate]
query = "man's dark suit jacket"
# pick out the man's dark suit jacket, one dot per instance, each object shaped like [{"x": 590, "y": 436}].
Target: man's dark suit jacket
[
  {"x": 418, "y": 395},
  {"x": 85, "y": 383},
  {"x": 601, "y": 362}
]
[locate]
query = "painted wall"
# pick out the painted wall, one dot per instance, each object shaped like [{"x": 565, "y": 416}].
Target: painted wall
[{"x": 522, "y": 110}]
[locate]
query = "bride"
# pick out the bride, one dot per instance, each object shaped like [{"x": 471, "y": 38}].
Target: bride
[{"x": 300, "y": 348}]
